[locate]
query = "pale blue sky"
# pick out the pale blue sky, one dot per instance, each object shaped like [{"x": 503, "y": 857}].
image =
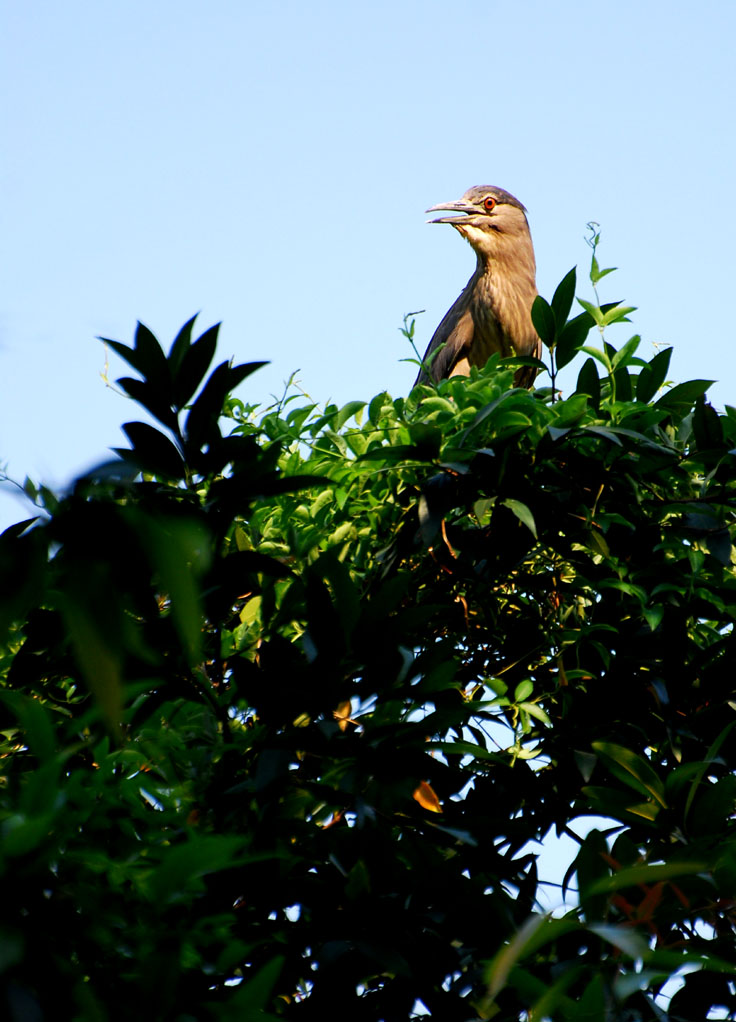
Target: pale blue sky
[{"x": 161, "y": 158}]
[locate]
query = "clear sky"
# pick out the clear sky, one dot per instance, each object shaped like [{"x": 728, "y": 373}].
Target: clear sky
[{"x": 269, "y": 165}]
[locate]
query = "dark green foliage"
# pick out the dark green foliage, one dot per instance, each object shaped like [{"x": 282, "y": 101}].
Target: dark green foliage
[{"x": 285, "y": 710}]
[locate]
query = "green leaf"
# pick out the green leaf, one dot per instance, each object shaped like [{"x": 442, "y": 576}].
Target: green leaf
[
  {"x": 149, "y": 353},
  {"x": 207, "y": 409},
  {"x": 653, "y": 375},
  {"x": 624, "y": 356},
  {"x": 599, "y": 356},
  {"x": 589, "y": 383},
  {"x": 23, "y": 573},
  {"x": 153, "y": 451},
  {"x": 193, "y": 366},
  {"x": 570, "y": 411},
  {"x": 619, "y": 805},
  {"x": 563, "y": 297},
  {"x": 523, "y": 690},
  {"x": 572, "y": 337},
  {"x": 427, "y": 438},
  {"x": 395, "y": 453},
  {"x": 24, "y": 835},
  {"x": 622, "y": 937},
  {"x": 622, "y": 385},
  {"x": 634, "y": 770},
  {"x": 596, "y": 542},
  {"x": 674, "y": 960},
  {"x": 522, "y": 512},
  {"x": 298, "y": 416},
  {"x": 179, "y": 348},
  {"x": 537, "y": 712},
  {"x": 632, "y": 876},
  {"x": 347, "y": 412},
  {"x": 34, "y": 720},
  {"x": 553, "y": 995},
  {"x": 591, "y": 865},
  {"x": 377, "y": 406},
  {"x": 346, "y": 597},
  {"x": 714, "y": 806},
  {"x": 437, "y": 403},
  {"x": 593, "y": 311},
  {"x": 616, "y": 313},
  {"x": 543, "y": 319},
  {"x": 129, "y": 355},
  {"x": 624, "y": 587},
  {"x": 14, "y": 531},
  {"x": 430, "y": 520},
  {"x": 537, "y": 931},
  {"x": 683, "y": 396},
  {"x": 654, "y": 616},
  {"x": 151, "y": 398},
  {"x": 707, "y": 426},
  {"x": 146, "y": 357},
  {"x": 596, "y": 274},
  {"x": 522, "y": 360},
  {"x": 185, "y": 864},
  {"x": 98, "y": 657},
  {"x": 485, "y": 412},
  {"x": 459, "y": 748},
  {"x": 179, "y": 549},
  {"x": 710, "y": 756}
]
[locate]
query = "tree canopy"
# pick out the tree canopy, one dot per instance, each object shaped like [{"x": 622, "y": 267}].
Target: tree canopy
[{"x": 289, "y": 698}]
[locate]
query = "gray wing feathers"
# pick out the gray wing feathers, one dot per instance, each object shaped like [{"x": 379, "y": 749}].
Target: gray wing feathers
[{"x": 457, "y": 330}]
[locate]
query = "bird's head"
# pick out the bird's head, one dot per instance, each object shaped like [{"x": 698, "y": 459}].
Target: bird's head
[{"x": 489, "y": 218}]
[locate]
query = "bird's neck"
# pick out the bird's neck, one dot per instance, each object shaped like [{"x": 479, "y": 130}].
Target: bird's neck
[
  {"x": 509, "y": 273},
  {"x": 505, "y": 286},
  {"x": 514, "y": 262}
]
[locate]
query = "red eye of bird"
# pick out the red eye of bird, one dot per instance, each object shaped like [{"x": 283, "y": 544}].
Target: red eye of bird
[{"x": 488, "y": 203}]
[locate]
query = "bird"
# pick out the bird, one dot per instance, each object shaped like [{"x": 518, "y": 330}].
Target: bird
[{"x": 493, "y": 312}]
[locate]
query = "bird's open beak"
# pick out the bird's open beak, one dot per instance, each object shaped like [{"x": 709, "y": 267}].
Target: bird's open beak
[{"x": 462, "y": 207}]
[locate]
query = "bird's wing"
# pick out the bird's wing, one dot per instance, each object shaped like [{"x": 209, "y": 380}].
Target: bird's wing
[{"x": 456, "y": 333}]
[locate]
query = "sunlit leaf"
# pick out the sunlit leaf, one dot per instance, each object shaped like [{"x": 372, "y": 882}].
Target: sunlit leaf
[
  {"x": 426, "y": 798},
  {"x": 522, "y": 512},
  {"x": 342, "y": 715}
]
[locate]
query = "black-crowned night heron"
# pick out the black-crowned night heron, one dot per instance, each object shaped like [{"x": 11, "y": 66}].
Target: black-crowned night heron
[{"x": 493, "y": 313}]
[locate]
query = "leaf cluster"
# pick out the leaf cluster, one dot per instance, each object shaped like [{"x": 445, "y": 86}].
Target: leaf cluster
[{"x": 289, "y": 699}]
